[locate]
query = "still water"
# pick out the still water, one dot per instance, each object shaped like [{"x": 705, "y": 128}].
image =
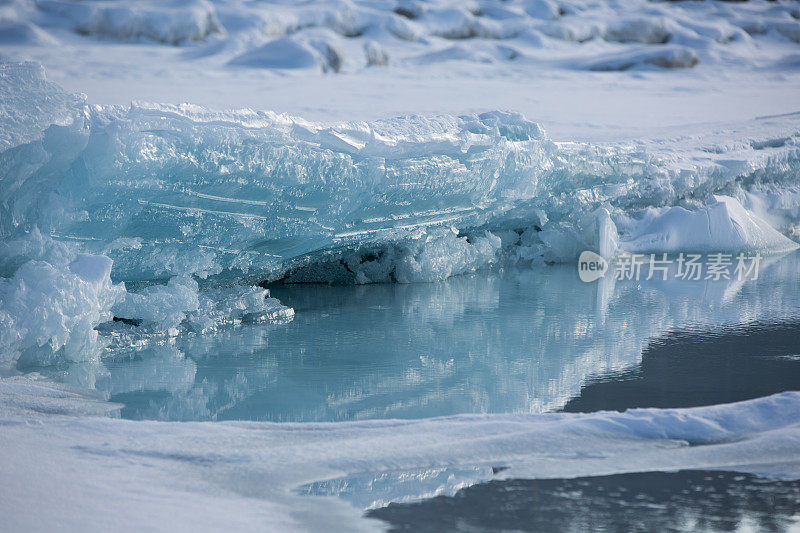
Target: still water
[
  {"x": 689, "y": 500},
  {"x": 493, "y": 342}
]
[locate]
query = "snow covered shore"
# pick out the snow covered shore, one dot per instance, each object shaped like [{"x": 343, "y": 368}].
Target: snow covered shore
[{"x": 90, "y": 472}]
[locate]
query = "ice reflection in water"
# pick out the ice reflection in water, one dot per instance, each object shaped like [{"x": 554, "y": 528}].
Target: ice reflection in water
[{"x": 516, "y": 341}]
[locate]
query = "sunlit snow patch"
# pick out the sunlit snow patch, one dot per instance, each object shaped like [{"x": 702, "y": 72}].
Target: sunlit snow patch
[{"x": 721, "y": 225}]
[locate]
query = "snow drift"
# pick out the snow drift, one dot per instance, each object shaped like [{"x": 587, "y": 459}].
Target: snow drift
[{"x": 722, "y": 225}]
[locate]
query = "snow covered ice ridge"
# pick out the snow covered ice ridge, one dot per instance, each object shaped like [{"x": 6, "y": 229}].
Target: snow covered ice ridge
[
  {"x": 344, "y": 35},
  {"x": 189, "y": 202},
  {"x": 170, "y": 22}
]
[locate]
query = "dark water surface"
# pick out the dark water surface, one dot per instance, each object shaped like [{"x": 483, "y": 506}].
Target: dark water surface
[
  {"x": 689, "y": 500},
  {"x": 688, "y": 369}
]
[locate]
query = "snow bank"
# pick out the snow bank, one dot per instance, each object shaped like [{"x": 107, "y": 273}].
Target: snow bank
[
  {"x": 721, "y": 225},
  {"x": 24, "y": 34},
  {"x": 666, "y": 57},
  {"x": 567, "y": 34},
  {"x": 170, "y": 22},
  {"x": 283, "y": 53},
  {"x": 534, "y": 28},
  {"x": 60, "y": 470}
]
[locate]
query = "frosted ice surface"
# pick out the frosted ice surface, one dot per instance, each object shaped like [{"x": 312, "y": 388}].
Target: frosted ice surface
[
  {"x": 29, "y": 104},
  {"x": 180, "y": 303},
  {"x": 93, "y": 269},
  {"x": 166, "y": 305}
]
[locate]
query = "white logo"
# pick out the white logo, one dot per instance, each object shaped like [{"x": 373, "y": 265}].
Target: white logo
[{"x": 591, "y": 266}]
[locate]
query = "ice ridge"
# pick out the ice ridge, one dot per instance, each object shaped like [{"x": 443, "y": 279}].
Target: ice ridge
[{"x": 186, "y": 201}]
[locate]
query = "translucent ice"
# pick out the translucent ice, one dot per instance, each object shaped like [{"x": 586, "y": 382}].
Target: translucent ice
[
  {"x": 431, "y": 255},
  {"x": 49, "y": 310},
  {"x": 180, "y": 303},
  {"x": 196, "y": 206},
  {"x": 246, "y": 194},
  {"x": 163, "y": 305}
]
